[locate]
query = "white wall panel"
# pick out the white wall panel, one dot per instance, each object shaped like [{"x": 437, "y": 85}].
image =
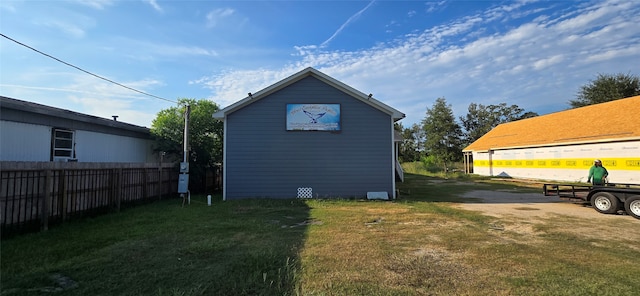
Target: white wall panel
[
  {"x": 24, "y": 142},
  {"x": 97, "y": 147},
  {"x": 563, "y": 163}
]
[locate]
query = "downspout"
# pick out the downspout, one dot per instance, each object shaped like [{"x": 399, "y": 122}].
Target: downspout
[
  {"x": 224, "y": 158},
  {"x": 393, "y": 160}
]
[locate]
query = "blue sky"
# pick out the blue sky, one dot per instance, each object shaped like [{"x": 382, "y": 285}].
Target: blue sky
[{"x": 535, "y": 54}]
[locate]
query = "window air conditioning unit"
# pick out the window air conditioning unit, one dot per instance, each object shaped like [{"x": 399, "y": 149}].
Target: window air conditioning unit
[{"x": 65, "y": 159}]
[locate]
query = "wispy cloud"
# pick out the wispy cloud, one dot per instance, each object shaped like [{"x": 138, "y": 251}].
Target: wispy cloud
[
  {"x": 90, "y": 95},
  {"x": 231, "y": 86},
  {"x": 66, "y": 27},
  {"x": 172, "y": 50},
  {"x": 537, "y": 65},
  {"x": 350, "y": 20},
  {"x": 155, "y": 5},
  {"x": 432, "y": 6},
  {"x": 217, "y": 15},
  {"x": 7, "y": 6},
  {"x": 151, "y": 50},
  {"x": 97, "y": 4}
]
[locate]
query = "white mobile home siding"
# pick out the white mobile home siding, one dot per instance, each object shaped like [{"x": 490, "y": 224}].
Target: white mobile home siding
[
  {"x": 24, "y": 142},
  {"x": 98, "y": 147},
  {"x": 263, "y": 159},
  {"x": 27, "y": 132}
]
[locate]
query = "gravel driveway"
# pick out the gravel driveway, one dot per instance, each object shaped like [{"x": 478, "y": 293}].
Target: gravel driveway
[{"x": 519, "y": 212}]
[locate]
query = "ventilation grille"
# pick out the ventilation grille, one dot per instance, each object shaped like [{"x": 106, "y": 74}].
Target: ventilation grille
[{"x": 305, "y": 192}]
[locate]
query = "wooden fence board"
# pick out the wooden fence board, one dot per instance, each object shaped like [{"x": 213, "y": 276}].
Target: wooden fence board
[{"x": 41, "y": 194}]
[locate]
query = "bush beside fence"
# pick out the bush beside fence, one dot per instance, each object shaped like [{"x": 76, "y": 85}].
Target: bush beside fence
[{"x": 37, "y": 195}]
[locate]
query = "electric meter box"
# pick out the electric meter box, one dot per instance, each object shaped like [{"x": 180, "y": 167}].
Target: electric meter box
[
  {"x": 184, "y": 167},
  {"x": 183, "y": 183}
]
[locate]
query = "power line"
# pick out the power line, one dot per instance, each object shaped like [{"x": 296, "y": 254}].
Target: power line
[{"x": 85, "y": 71}]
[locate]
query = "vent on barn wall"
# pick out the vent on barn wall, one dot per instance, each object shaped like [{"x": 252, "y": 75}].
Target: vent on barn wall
[{"x": 305, "y": 192}]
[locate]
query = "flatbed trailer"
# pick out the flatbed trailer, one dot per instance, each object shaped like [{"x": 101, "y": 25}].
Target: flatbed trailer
[{"x": 606, "y": 199}]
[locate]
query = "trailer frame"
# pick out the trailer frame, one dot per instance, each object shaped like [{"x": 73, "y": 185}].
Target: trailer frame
[{"x": 607, "y": 199}]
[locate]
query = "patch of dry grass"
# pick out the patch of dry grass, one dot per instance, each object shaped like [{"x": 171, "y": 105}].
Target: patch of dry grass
[
  {"x": 421, "y": 244},
  {"x": 414, "y": 247}
]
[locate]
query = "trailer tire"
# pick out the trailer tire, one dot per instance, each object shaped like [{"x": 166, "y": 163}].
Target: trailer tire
[
  {"x": 605, "y": 202},
  {"x": 632, "y": 206}
]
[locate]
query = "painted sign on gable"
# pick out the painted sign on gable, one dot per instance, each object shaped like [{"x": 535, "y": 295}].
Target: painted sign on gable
[{"x": 313, "y": 117}]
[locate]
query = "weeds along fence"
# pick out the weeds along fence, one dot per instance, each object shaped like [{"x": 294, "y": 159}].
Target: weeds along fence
[{"x": 37, "y": 195}]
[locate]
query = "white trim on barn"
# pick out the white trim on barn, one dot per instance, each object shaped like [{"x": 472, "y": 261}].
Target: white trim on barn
[{"x": 396, "y": 115}]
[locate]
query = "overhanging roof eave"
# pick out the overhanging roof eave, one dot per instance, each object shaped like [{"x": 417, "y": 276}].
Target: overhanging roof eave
[
  {"x": 395, "y": 114},
  {"x": 611, "y": 140}
]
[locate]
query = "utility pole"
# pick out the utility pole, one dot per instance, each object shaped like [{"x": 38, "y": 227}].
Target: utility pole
[{"x": 183, "y": 178}]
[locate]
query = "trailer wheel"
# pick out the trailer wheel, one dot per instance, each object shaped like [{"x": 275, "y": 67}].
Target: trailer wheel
[
  {"x": 632, "y": 206},
  {"x": 605, "y": 202}
]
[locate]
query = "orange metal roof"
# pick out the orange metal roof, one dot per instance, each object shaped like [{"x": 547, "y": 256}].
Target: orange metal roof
[{"x": 614, "y": 120}]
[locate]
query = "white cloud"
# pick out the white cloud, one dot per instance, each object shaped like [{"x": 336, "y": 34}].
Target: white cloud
[
  {"x": 547, "y": 62},
  {"x": 154, "y": 4},
  {"x": 217, "y": 15},
  {"x": 232, "y": 86},
  {"x": 7, "y": 6},
  {"x": 97, "y": 4},
  {"x": 349, "y": 21},
  {"x": 537, "y": 65},
  {"x": 68, "y": 28},
  {"x": 432, "y": 6},
  {"x": 147, "y": 50}
]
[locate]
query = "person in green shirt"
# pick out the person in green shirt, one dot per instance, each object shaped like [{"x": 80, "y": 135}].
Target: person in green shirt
[{"x": 597, "y": 173}]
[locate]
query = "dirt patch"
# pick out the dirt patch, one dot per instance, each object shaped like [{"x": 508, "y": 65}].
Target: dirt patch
[
  {"x": 517, "y": 212},
  {"x": 526, "y": 205}
]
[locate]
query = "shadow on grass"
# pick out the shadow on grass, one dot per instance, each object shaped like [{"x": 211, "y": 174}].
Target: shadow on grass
[{"x": 247, "y": 247}]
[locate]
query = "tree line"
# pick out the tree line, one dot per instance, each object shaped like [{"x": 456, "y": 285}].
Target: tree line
[{"x": 439, "y": 137}]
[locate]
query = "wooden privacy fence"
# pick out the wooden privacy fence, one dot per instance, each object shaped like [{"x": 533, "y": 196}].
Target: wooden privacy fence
[{"x": 34, "y": 196}]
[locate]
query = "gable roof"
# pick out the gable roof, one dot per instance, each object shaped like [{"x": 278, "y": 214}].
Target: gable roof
[
  {"x": 611, "y": 121},
  {"x": 396, "y": 115}
]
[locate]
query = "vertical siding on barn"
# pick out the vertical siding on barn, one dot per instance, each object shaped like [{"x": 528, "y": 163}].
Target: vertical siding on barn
[
  {"x": 24, "y": 142},
  {"x": 263, "y": 159}
]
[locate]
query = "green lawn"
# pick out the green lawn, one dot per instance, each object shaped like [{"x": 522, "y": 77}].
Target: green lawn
[{"x": 419, "y": 244}]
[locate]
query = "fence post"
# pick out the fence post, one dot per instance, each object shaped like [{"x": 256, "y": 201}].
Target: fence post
[
  {"x": 63, "y": 194},
  {"x": 112, "y": 187},
  {"x": 46, "y": 202},
  {"x": 160, "y": 182},
  {"x": 118, "y": 188},
  {"x": 145, "y": 190}
]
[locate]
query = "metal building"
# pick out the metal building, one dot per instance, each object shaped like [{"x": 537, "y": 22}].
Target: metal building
[
  {"x": 309, "y": 136},
  {"x": 562, "y": 146}
]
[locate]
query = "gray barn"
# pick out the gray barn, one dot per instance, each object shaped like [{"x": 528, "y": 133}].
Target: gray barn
[{"x": 309, "y": 135}]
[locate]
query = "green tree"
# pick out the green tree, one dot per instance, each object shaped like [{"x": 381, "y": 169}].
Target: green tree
[
  {"x": 443, "y": 134},
  {"x": 205, "y": 137},
  {"x": 480, "y": 119},
  {"x": 412, "y": 145},
  {"x": 607, "y": 88}
]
